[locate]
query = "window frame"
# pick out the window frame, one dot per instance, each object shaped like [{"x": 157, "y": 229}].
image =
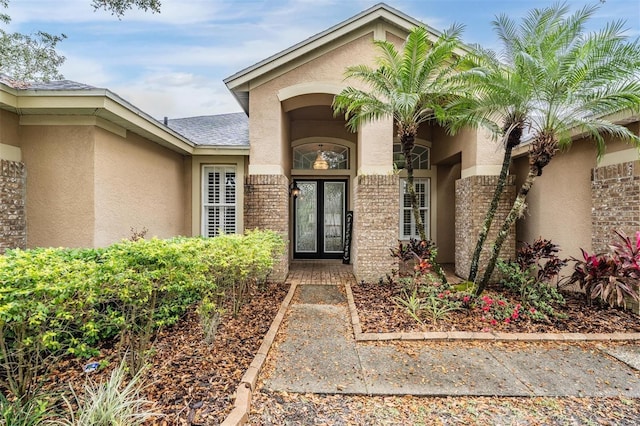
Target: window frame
[
  {"x": 426, "y": 209},
  {"x": 223, "y": 204}
]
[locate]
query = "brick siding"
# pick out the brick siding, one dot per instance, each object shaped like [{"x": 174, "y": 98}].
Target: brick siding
[
  {"x": 615, "y": 195},
  {"x": 376, "y": 224},
  {"x": 266, "y": 206},
  {"x": 13, "y": 226},
  {"x": 473, "y": 197}
]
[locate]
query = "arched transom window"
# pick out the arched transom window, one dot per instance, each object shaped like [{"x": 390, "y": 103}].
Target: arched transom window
[
  {"x": 320, "y": 156},
  {"x": 420, "y": 157}
]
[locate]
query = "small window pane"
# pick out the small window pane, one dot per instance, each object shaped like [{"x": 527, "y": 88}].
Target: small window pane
[
  {"x": 420, "y": 156},
  {"x": 336, "y": 156}
]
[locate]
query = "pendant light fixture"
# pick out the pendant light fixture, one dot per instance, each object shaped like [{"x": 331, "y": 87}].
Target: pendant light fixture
[{"x": 320, "y": 163}]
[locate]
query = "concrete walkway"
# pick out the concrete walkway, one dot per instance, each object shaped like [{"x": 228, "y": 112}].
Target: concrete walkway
[{"x": 318, "y": 354}]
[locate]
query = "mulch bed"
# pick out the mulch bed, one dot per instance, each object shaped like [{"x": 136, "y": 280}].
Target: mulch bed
[
  {"x": 379, "y": 314},
  {"x": 281, "y": 408},
  {"x": 189, "y": 381}
]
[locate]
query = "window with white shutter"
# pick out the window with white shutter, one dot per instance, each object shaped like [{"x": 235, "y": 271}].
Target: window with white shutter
[
  {"x": 407, "y": 221},
  {"x": 219, "y": 195}
]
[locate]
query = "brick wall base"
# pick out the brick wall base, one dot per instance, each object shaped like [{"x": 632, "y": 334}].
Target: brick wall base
[
  {"x": 473, "y": 198},
  {"x": 375, "y": 225},
  {"x": 615, "y": 195},
  {"x": 266, "y": 206},
  {"x": 13, "y": 225}
]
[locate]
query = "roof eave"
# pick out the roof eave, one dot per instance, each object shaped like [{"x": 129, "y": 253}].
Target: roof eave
[{"x": 96, "y": 102}]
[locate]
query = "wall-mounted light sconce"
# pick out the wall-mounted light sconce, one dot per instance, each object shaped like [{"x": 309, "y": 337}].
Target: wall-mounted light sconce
[
  {"x": 320, "y": 163},
  {"x": 294, "y": 190}
]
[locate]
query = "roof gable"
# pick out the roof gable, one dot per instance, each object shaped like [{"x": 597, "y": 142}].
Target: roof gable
[{"x": 238, "y": 83}]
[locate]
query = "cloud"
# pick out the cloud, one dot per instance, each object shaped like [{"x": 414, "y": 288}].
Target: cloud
[
  {"x": 173, "y": 63},
  {"x": 86, "y": 70},
  {"x": 174, "y": 12},
  {"x": 166, "y": 93}
]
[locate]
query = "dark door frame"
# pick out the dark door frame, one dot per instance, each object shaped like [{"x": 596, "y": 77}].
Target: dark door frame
[{"x": 320, "y": 253}]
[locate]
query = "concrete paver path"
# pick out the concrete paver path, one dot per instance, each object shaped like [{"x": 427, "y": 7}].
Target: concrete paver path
[{"x": 320, "y": 355}]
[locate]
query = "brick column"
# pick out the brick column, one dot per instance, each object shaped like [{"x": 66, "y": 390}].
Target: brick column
[
  {"x": 615, "y": 198},
  {"x": 266, "y": 206},
  {"x": 473, "y": 197},
  {"x": 13, "y": 224},
  {"x": 376, "y": 224}
]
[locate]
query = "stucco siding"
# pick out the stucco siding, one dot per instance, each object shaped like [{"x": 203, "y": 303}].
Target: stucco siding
[
  {"x": 138, "y": 185},
  {"x": 445, "y": 213},
  {"x": 559, "y": 203},
  {"x": 9, "y": 128},
  {"x": 446, "y": 146},
  {"x": 60, "y": 185},
  {"x": 301, "y": 129},
  {"x": 268, "y": 147}
]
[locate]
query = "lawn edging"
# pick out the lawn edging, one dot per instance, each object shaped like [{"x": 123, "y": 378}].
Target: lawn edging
[
  {"x": 476, "y": 335},
  {"x": 244, "y": 392}
]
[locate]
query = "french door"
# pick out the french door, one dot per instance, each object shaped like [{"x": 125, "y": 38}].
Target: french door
[{"x": 319, "y": 219}]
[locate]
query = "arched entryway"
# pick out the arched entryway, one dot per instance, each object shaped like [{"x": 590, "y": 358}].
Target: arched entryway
[{"x": 322, "y": 153}]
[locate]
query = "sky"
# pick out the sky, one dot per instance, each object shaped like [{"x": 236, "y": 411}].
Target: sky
[{"x": 173, "y": 64}]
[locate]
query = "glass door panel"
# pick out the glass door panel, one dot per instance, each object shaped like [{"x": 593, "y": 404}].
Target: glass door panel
[
  {"x": 306, "y": 212},
  {"x": 319, "y": 217},
  {"x": 334, "y": 208}
]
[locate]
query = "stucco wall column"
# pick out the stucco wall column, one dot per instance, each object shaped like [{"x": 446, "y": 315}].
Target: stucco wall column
[
  {"x": 266, "y": 201},
  {"x": 13, "y": 225},
  {"x": 473, "y": 198}
]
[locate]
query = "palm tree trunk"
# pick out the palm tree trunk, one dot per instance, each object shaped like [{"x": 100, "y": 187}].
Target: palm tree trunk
[
  {"x": 407, "y": 142},
  {"x": 516, "y": 211},
  {"x": 512, "y": 136},
  {"x": 543, "y": 148},
  {"x": 488, "y": 219},
  {"x": 415, "y": 207}
]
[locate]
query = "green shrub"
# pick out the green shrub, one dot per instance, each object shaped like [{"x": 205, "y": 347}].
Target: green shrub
[
  {"x": 46, "y": 297},
  {"x": 148, "y": 284},
  {"x": 238, "y": 261},
  {"x": 55, "y": 302}
]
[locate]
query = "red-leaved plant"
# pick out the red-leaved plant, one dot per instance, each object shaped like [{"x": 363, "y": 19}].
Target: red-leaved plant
[
  {"x": 422, "y": 254},
  {"x": 613, "y": 277}
]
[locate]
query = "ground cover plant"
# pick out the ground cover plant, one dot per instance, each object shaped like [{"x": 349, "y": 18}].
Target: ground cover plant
[{"x": 61, "y": 306}]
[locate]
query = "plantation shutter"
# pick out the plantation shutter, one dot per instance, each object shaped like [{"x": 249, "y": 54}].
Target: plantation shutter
[
  {"x": 219, "y": 200},
  {"x": 407, "y": 222}
]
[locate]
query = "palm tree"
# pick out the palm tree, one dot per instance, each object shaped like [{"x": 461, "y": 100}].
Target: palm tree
[
  {"x": 576, "y": 78},
  {"x": 490, "y": 96},
  {"x": 410, "y": 86}
]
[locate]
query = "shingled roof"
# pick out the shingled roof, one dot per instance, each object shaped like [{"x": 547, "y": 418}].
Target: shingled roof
[
  {"x": 214, "y": 130},
  {"x": 224, "y": 130},
  {"x": 44, "y": 85}
]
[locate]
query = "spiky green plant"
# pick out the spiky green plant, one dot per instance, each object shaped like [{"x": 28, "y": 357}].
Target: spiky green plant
[{"x": 115, "y": 402}]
